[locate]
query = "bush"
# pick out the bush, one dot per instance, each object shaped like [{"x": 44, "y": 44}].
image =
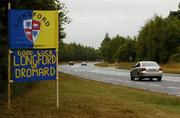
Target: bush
[{"x": 175, "y": 57}]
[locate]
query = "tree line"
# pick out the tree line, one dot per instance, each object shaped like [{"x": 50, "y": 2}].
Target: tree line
[
  {"x": 77, "y": 52},
  {"x": 158, "y": 40}
]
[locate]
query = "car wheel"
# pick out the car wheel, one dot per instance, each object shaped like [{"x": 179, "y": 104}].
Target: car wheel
[
  {"x": 140, "y": 78},
  {"x": 159, "y": 78},
  {"x": 132, "y": 78}
]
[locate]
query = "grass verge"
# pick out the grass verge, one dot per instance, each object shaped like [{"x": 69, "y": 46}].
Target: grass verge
[
  {"x": 80, "y": 98},
  {"x": 171, "y": 68},
  {"x": 105, "y": 64},
  {"x": 167, "y": 68}
]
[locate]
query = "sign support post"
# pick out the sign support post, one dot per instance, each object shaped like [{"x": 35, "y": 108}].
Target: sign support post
[
  {"x": 57, "y": 74},
  {"x": 9, "y": 70},
  {"x": 43, "y": 54},
  {"x": 9, "y": 78},
  {"x": 57, "y": 81}
]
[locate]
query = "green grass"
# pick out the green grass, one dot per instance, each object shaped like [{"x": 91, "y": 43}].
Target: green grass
[
  {"x": 105, "y": 64},
  {"x": 171, "y": 68},
  {"x": 167, "y": 68},
  {"x": 80, "y": 98}
]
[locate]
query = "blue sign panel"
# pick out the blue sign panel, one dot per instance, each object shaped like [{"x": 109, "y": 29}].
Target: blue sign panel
[
  {"x": 30, "y": 65},
  {"x": 17, "y": 28}
]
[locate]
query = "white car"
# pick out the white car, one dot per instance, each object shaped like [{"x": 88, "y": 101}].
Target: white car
[
  {"x": 71, "y": 63},
  {"x": 146, "y": 69},
  {"x": 84, "y": 63}
]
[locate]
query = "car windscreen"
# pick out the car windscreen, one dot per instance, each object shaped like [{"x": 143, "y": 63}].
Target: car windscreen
[{"x": 149, "y": 64}]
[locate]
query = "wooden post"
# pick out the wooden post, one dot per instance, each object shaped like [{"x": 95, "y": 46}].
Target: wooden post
[
  {"x": 57, "y": 81},
  {"x": 9, "y": 79},
  {"x": 9, "y": 70},
  {"x": 57, "y": 73},
  {"x": 57, "y": 65}
]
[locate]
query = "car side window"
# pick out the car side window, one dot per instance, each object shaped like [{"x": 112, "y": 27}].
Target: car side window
[{"x": 137, "y": 65}]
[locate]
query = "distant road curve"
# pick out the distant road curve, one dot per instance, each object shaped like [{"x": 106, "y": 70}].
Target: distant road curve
[{"x": 170, "y": 83}]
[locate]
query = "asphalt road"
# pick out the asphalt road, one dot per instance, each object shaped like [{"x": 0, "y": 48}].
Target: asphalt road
[{"x": 170, "y": 83}]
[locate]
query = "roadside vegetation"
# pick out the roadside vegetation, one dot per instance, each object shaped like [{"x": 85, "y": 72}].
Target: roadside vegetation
[
  {"x": 90, "y": 99},
  {"x": 167, "y": 68},
  {"x": 77, "y": 52},
  {"x": 158, "y": 40},
  {"x": 118, "y": 65},
  {"x": 171, "y": 68}
]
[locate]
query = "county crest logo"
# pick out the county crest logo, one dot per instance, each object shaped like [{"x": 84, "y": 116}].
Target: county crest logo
[{"x": 31, "y": 29}]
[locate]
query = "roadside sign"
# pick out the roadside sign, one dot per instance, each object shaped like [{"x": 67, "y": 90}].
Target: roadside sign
[
  {"x": 33, "y": 39},
  {"x": 30, "y": 65},
  {"x": 33, "y": 47}
]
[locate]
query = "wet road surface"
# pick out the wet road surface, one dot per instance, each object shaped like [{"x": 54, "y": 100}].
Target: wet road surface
[{"x": 170, "y": 83}]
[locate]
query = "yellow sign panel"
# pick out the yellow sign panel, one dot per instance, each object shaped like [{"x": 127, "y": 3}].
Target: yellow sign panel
[{"x": 48, "y": 33}]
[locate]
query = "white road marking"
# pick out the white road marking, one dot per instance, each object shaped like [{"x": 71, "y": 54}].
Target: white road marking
[
  {"x": 140, "y": 83},
  {"x": 119, "y": 80},
  {"x": 155, "y": 85},
  {"x": 173, "y": 80},
  {"x": 171, "y": 87}
]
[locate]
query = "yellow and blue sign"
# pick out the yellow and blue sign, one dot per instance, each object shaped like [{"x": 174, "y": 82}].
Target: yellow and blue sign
[
  {"x": 30, "y": 65},
  {"x": 33, "y": 29},
  {"x": 33, "y": 39}
]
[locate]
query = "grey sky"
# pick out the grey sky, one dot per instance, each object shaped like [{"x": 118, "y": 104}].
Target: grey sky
[{"x": 93, "y": 18}]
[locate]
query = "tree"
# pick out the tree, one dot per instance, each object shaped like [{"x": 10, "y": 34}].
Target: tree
[
  {"x": 158, "y": 39},
  {"x": 77, "y": 52},
  {"x": 175, "y": 13},
  {"x": 105, "y": 52},
  {"x": 126, "y": 51},
  {"x": 118, "y": 48}
]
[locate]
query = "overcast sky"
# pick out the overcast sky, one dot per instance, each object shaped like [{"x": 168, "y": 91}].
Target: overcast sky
[{"x": 91, "y": 19}]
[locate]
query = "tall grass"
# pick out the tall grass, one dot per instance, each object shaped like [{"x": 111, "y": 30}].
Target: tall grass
[
  {"x": 80, "y": 98},
  {"x": 167, "y": 68}
]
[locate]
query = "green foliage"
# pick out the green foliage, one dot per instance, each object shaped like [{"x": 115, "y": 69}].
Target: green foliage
[
  {"x": 175, "y": 57},
  {"x": 127, "y": 51},
  {"x": 77, "y": 52},
  {"x": 158, "y": 39},
  {"x": 105, "y": 53},
  {"x": 118, "y": 48},
  {"x": 82, "y": 98}
]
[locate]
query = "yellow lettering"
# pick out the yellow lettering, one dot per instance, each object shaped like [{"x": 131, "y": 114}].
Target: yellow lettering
[
  {"x": 19, "y": 53},
  {"x": 41, "y": 71},
  {"x": 28, "y": 73},
  {"x": 23, "y": 72},
  {"x": 46, "y": 70},
  {"x": 44, "y": 60},
  {"x": 35, "y": 71},
  {"x": 14, "y": 60},
  {"x": 53, "y": 59},
  {"x": 22, "y": 60},
  {"x": 18, "y": 73},
  {"x": 39, "y": 58},
  {"x": 52, "y": 71}
]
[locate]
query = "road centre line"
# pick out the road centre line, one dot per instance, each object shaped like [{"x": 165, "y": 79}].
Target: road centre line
[
  {"x": 171, "y": 87},
  {"x": 172, "y": 80},
  {"x": 155, "y": 85}
]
